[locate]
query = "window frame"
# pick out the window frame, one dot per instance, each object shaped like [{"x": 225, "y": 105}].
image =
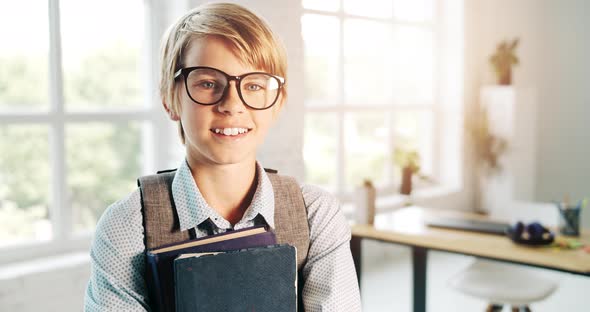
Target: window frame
[
  {"x": 340, "y": 109},
  {"x": 150, "y": 115}
]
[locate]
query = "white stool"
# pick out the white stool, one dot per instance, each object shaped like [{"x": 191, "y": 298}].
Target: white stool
[{"x": 503, "y": 283}]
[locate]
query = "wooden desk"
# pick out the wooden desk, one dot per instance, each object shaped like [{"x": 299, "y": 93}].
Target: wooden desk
[{"x": 406, "y": 227}]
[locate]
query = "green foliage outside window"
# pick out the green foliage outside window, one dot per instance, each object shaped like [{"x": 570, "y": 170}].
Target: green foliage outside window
[
  {"x": 102, "y": 159},
  {"x": 107, "y": 79},
  {"x": 23, "y": 82}
]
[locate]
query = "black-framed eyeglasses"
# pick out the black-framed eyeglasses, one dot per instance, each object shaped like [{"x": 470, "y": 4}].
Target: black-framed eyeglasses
[{"x": 209, "y": 86}]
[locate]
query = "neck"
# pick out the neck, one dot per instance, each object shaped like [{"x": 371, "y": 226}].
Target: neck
[{"x": 227, "y": 188}]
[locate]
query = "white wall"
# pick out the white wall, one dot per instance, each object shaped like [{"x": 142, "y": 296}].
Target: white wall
[
  {"x": 553, "y": 52},
  {"x": 563, "y": 75}
]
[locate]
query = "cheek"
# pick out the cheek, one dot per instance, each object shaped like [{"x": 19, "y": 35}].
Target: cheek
[
  {"x": 275, "y": 111},
  {"x": 193, "y": 117},
  {"x": 265, "y": 121}
]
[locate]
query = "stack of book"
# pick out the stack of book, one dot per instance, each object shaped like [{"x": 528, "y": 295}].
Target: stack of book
[{"x": 243, "y": 270}]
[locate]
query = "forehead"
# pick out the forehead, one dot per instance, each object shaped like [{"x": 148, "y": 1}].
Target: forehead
[{"x": 215, "y": 52}]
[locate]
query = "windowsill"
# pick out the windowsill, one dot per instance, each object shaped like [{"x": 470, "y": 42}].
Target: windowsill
[
  {"x": 396, "y": 201},
  {"x": 24, "y": 253},
  {"x": 43, "y": 264}
]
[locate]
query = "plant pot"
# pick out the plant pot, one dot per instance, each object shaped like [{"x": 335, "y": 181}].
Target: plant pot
[
  {"x": 406, "y": 187},
  {"x": 365, "y": 204},
  {"x": 505, "y": 78}
]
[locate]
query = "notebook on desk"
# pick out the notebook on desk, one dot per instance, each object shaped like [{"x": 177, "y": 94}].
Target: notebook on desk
[{"x": 481, "y": 226}]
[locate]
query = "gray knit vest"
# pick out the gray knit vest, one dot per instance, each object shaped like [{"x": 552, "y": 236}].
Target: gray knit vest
[{"x": 162, "y": 226}]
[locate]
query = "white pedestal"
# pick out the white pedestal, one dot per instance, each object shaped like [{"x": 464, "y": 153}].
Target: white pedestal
[{"x": 511, "y": 116}]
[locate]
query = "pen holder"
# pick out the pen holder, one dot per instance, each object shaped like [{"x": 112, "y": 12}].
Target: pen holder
[{"x": 569, "y": 221}]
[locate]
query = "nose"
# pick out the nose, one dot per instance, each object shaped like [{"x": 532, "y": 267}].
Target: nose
[{"x": 231, "y": 104}]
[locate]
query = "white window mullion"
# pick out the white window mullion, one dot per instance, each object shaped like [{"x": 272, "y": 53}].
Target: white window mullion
[
  {"x": 59, "y": 208},
  {"x": 341, "y": 157},
  {"x": 148, "y": 135},
  {"x": 437, "y": 106},
  {"x": 389, "y": 168},
  {"x": 106, "y": 116},
  {"x": 370, "y": 107}
]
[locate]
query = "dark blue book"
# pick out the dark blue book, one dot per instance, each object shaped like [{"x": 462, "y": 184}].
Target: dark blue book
[
  {"x": 160, "y": 261},
  {"x": 255, "y": 279}
]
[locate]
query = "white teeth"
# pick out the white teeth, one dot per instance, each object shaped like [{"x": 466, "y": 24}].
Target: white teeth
[{"x": 230, "y": 131}]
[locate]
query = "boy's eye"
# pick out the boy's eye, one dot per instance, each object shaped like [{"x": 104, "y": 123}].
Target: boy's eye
[
  {"x": 207, "y": 85},
  {"x": 254, "y": 87}
]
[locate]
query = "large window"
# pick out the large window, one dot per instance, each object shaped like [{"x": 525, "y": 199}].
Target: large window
[
  {"x": 370, "y": 73},
  {"x": 73, "y": 107}
]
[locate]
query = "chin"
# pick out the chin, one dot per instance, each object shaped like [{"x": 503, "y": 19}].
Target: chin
[
  {"x": 225, "y": 158},
  {"x": 218, "y": 155}
]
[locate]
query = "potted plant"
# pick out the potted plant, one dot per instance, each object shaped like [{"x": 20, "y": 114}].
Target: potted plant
[
  {"x": 487, "y": 146},
  {"x": 409, "y": 162},
  {"x": 488, "y": 149},
  {"x": 503, "y": 60}
]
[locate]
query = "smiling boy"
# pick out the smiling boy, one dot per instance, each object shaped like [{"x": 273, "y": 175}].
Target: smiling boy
[{"x": 223, "y": 80}]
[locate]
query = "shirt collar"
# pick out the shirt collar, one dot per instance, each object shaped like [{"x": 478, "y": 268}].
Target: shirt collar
[{"x": 192, "y": 209}]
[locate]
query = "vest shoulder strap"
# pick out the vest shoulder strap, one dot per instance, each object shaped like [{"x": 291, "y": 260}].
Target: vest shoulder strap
[
  {"x": 291, "y": 224},
  {"x": 160, "y": 220}
]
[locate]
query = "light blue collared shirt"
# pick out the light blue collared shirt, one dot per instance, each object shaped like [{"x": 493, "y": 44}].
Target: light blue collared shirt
[{"x": 193, "y": 210}]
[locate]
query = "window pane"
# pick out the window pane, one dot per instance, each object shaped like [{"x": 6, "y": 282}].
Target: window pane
[
  {"x": 24, "y": 184},
  {"x": 370, "y": 8},
  {"x": 322, "y": 5},
  {"x": 320, "y": 149},
  {"x": 413, "y": 11},
  {"x": 321, "y": 41},
  {"x": 368, "y": 62},
  {"x": 366, "y": 148},
  {"x": 414, "y": 131},
  {"x": 413, "y": 66},
  {"x": 24, "y": 50},
  {"x": 103, "y": 163},
  {"x": 102, "y": 53}
]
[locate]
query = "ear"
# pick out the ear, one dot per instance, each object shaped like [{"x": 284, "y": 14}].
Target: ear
[{"x": 173, "y": 115}]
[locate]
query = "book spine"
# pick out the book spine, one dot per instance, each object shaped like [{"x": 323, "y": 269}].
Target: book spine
[{"x": 153, "y": 283}]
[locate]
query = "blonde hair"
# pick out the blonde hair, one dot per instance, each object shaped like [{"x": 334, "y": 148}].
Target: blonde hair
[{"x": 249, "y": 36}]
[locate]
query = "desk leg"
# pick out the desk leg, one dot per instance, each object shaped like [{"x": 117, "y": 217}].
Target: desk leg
[
  {"x": 419, "y": 261},
  {"x": 355, "y": 248}
]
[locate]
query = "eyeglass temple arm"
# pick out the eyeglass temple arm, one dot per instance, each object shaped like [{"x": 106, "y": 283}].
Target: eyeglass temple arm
[{"x": 178, "y": 73}]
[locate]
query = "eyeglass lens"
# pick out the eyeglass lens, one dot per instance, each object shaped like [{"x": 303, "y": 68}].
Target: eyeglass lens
[{"x": 207, "y": 86}]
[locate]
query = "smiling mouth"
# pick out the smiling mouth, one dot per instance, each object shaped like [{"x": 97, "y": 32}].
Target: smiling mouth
[{"x": 230, "y": 131}]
